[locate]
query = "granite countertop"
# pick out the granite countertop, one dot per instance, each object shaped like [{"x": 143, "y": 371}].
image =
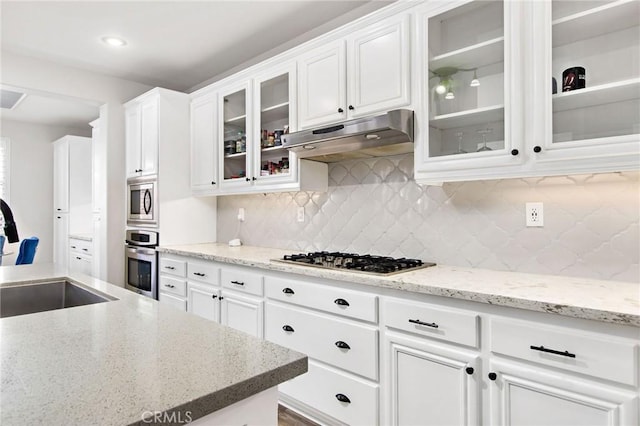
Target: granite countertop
[
  {"x": 607, "y": 301},
  {"x": 111, "y": 362},
  {"x": 85, "y": 237}
]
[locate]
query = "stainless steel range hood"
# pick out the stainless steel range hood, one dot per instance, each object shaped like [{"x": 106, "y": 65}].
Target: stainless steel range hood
[{"x": 386, "y": 134}]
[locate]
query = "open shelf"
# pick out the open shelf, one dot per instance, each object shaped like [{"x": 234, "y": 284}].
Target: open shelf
[
  {"x": 597, "y": 95},
  {"x": 275, "y": 112},
  {"x": 469, "y": 117},
  {"x": 594, "y": 22},
  {"x": 475, "y": 56}
]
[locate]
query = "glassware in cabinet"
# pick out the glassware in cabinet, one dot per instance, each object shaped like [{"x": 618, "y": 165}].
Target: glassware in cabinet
[
  {"x": 274, "y": 121},
  {"x": 235, "y": 135}
]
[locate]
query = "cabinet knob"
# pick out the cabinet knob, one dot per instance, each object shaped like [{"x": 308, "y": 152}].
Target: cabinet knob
[
  {"x": 342, "y": 345},
  {"x": 58, "y": 209},
  {"x": 248, "y": 180},
  {"x": 469, "y": 370},
  {"x": 343, "y": 398},
  {"x": 288, "y": 328},
  {"x": 59, "y": 217},
  {"x": 340, "y": 110},
  {"x": 213, "y": 296},
  {"x": 515, "y": 152},
  {"x": 537, "y": 149},
  {"x": 254, "y": 178},
  {"x": 213, "y": 183},
  {"x": 287, "y": 290},
  {"x": 493, "y": 376},
  {"x": 341, "y": 302},
  {"x": 221, "y": 298},
  {"x": 351, "y": 108}
]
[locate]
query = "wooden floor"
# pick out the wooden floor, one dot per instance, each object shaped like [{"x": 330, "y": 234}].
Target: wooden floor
[{"x": 287, "y": 417}]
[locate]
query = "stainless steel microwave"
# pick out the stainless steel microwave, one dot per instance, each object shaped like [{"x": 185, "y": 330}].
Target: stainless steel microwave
[{"x": 142, "y": 201}]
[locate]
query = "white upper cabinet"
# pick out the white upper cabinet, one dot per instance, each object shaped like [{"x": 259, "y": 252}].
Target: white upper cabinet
[
  {"x": 470, "y": 120},
  {"x": 142, "y": 137},
  {"x": 557, "y": 89},
  {"x": 592, "y": 121},
  {"x": 366, "y": 73},
  {"x": 204, "y": 144},
  {"x": 61, "y": 176}
]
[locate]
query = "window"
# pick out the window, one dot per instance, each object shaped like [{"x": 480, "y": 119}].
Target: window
[{"x": 4, "y": 168}]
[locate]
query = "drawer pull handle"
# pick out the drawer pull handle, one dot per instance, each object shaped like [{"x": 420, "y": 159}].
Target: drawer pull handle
[
  {"x": 169, "y": 285},
  {"x": 551, "y": 351},
  {"x": 213, "y": 296},
  {"x": 79, "y": 258},
  {"x": 170, "y": 267},
  {"x": 84, "y": 249},
  {"x": 343, "y": 398},
  {"x": 426, "y": 324},
  {"x": 199, "y": 274},
  {"x": 492, "y": 376},
  {"x": 288, "y": 328},
  {"x": 469, "y": 370},
  {"x": 73, "y": 247},
  {"x": 237, "y": 282},
  {"x": 342, "y": 345},
  {"x": 341, "y": 302},
  {"x": 287, "y": 290}
]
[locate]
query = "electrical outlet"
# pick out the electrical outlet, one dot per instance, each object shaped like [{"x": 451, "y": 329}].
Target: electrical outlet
[
  {"x": 535, "y": 214},
  {"x": 300, "y": 214},
  {"x": 241, "y": 214}
]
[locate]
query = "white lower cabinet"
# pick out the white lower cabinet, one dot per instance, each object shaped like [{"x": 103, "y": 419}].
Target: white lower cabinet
[
  {"x": 204, "y": 301},
  {"x": 431, "y": 384},
  {"x": 176, "y": 302},
  {"x": 523, "y": 395},
  {"x": 242, "y": 312}
]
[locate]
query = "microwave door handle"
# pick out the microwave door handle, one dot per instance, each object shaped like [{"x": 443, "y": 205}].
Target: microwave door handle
[{"x": 147, "y": 201}]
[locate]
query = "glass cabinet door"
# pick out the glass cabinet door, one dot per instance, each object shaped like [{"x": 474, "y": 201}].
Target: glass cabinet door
[
  {"x": 466, "y": 81},
  {"x": 234, "y": 132},
  {"x": 274, "y": 119},
  {"x": 595, "y": 72}
]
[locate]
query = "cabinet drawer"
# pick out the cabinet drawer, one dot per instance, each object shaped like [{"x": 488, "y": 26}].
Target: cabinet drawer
[
  {"x": 595, "y": 354},
  {"x": 174, "y": 301},
  {"x": 349, "y": 303},
  {"x": 335, "y": 341},
  {"x": 173, "y": 286},
  {"x": 241, "y": 280},
  {"x": 427, "y": 320},
  {"x": 203, "y": 272},
  {"x": 319, "y": 387},
  {"x": 173, "y": 267},
  {"x": 81, "y": 246}
]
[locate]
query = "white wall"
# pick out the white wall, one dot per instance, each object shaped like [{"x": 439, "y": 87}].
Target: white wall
[
  {"x": 31, "y": 185},
  {"x": 36, "y": 74}
]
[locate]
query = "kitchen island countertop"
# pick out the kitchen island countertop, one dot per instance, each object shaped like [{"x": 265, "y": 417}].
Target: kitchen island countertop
[
  {"x": 607, "y": 301},
  {"x": 112, "y": 363}
]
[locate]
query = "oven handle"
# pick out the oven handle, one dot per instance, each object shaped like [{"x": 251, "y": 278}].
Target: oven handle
[
  {"x": 147, "y": 201},
  {"x": 138, "y": 250}
]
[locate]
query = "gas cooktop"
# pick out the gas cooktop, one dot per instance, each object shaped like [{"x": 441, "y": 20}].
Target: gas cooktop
[{"x": 366, "y": 263}]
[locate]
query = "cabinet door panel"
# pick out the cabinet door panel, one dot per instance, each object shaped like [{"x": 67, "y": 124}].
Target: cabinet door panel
[
  {"x": 430, "y": 385},
  {"x": 242, "y": 313},
  {"x": 60, "y": 238},
  {"x": 379, "y": 68},
  {"x": 203, "y": 301},
  {"x": 132, "y": 122},
  {"x": 61, "y": 176},
  {"x": 203, "y": 145},
  {"x": 322, "y": 86},
  {"x": 149, "y": 137}
]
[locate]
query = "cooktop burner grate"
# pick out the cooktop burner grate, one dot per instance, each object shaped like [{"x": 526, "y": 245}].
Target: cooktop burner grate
[{"x": 377, "y": 265}]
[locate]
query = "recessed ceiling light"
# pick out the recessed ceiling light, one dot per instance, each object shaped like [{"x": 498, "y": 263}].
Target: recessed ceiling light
[{"x": 114, "y": 41}]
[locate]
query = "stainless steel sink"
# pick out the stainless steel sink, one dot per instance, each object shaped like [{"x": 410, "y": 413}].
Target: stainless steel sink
[{"x": 40, "y": 297}]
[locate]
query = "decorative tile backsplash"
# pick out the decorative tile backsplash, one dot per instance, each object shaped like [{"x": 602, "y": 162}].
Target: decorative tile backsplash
[{"x": 591, "y": 222}]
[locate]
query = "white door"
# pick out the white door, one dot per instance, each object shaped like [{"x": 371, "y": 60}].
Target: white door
[
  {"x": 61, "y": 176},
  {"x": 379, "y": 67},
  {"x": 242, "y": 313},
  {"x": 149, "y": 137},
  {"x": 524, "y": 396},
  {"x": 204, "y": 144},
  {"x": 431, "y": 384},
  {"x": 61, "y": 239},
  {"x": 132, "y": 139},
  {"x": 322, "y": 86},
  {"x": 203, "y": 301}
]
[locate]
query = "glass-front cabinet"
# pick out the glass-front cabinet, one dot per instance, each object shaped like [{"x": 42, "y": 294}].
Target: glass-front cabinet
[
  {"x": 591, "y": 107},
  {"x": 235, "y": 157},
  {"x": 469, "y": 71},
  {"x": 274, "y": 115}
]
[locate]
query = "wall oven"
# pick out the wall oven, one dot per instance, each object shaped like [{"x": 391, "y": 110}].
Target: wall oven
[
  {"x": 141, "y": 262},
  {"x": 142, "y": 201}
]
